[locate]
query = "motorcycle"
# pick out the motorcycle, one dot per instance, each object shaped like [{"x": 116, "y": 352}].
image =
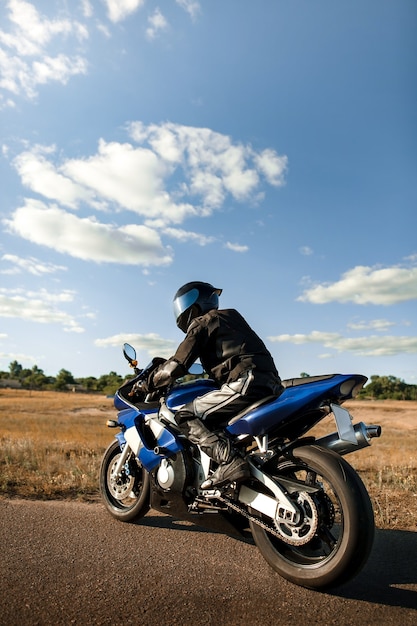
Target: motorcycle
[{"x": 306, "y": 508}]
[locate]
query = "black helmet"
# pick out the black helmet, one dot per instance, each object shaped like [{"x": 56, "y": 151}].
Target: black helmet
[{"x": 194, "y": 299}]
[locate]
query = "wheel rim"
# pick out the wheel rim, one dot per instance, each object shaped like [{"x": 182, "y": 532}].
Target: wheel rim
[
  {"x": 318, "y": 536},
  {"x": 124, "y": 490}
]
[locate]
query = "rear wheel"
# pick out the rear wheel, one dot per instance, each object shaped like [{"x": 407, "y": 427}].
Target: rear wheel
[
  {"x": 126, "y": 496},
  {"x": 332, "y": 540}
]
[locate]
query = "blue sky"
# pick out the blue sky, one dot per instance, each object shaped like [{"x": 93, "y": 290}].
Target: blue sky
[{"x": 266, "y": 147}]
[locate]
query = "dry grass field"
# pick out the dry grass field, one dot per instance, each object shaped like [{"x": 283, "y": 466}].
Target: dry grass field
[
  {"x": 52, "y": 443},
  {"x": 389, "y": 466}
]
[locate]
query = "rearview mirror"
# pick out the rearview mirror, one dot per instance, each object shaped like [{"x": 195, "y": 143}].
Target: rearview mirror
[{"x": 130, "y": 353}]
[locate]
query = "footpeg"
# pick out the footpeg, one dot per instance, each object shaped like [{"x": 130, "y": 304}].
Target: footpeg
[{"x": 211, "y": 493}]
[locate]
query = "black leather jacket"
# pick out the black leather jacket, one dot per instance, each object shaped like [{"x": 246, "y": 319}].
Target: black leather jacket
[{"x": 226, "y": 346}]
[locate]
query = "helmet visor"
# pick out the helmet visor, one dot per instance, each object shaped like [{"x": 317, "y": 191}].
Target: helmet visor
[{"x": 182, "y": 303}]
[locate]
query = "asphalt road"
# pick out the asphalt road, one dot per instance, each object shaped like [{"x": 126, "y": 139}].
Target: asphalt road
[{"x": 71, "y": 563}]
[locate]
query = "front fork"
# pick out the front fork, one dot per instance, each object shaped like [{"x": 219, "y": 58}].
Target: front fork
[{"x": 121, "y": 461}]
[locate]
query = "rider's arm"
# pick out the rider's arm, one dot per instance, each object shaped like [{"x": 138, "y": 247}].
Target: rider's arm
[
  {"x": 187, "y": 352},
  {"x": 166, "y": 373}
]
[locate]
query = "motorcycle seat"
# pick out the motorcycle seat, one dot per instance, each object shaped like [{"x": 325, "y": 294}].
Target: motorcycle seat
[{"x": 294, "y": 382}]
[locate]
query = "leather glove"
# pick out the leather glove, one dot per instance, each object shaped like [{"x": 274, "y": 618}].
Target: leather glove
[{"x": 141, "y": 387}]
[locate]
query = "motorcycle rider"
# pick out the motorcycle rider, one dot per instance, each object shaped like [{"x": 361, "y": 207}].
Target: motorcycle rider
[{"x": 235, "y": 357}]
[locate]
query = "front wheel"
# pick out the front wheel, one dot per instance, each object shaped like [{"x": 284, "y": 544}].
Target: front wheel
[
  {"x": 333, "y": 539},
  {"x": 126, "y": 496}
]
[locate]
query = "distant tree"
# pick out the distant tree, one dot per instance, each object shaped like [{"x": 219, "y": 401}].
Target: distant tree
[
  {"x": 24, "y": 374},
  {"x": 36, "y": 379},
  {"x": 389, "y": 387},
  {"x": 89, "y": 383},
  {"x": 64, "y": 378},
  {"x": 304, "y": 375},
  {"x": 109, "y": 383},
  {"x": 15, "y": 369}
]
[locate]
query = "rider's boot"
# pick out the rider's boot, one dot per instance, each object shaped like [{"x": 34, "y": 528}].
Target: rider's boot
[{"x": 232, "y": 467}]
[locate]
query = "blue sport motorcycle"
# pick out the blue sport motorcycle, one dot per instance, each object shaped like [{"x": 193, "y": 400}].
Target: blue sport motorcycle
[{"x": 305, "y": 506}]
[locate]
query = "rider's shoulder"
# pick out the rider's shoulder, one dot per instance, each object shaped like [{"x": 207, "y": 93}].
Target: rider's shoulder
[{"x": 212, "y": 318}]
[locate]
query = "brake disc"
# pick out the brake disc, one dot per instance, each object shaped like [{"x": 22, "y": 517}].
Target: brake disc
[{"x": 120, "y": 487}]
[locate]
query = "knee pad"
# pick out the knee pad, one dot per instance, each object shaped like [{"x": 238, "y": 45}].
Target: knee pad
[{"x": 182, "y": 416}]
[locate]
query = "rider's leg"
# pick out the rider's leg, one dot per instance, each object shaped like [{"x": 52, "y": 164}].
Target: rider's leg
[
  {"x": 218, "y": 407},
  {"x": 231, "y": 466}
]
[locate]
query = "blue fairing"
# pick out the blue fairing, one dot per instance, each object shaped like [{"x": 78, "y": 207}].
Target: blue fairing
[
  {"x": 127, "y": 417},
  {"x": 121, "y": 439},
  {"x": 166, "y": 440},
  {"x": 288, "y": 411},
  {"x": 119, "y": 402}
]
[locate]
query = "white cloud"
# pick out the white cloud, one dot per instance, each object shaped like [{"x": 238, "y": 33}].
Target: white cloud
[
  {"x": 379, "y": 325},
  {"x": 306, "y": 251},
  {"x": 6, "y": 103},
  {"x": 191, "y": 6},
  {"x": 31, "y": 265},
  {"x": 59, "y": 68},
  {"x": 314, "y": 337},
  {"x": 157, "y": 181},
  {"x": 24, "y": 59},
  {"x": 235, "y": 247},
  {"x": 374, "y": 345},
  {"x": 32, "y": 31},
  {"x": 131, "y": 177},
  {"x": 184, "y": 235},
  {"x": 151, "y": 343},
  {"x": 157, "y": 24},
  {"x": 41, "y": 176},
  {"x": 104, "y": 30},
  {"x": 273, "y": 166},
  {"x": 161, "y": 181},
  {"x": 87, "y": 239},
  {"x": 20, "y": 357},
  {"x": 118, "y": 10},
  {"x": 87, "y": 8},
  {"x": 213, "y": 165},
  {"x": 367, "y": 285},
  {"x": 40, "y": 307}
]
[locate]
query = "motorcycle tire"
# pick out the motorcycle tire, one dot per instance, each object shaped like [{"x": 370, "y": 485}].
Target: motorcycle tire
[
  {"x": 339, "y": 528},
  {"x": 128, "y": 497}
]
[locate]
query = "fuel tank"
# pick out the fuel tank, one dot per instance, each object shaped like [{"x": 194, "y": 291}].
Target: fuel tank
[{"x": 186, "y": 392}]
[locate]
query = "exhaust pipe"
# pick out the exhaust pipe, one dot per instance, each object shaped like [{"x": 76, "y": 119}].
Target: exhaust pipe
[{"x": 363, "y": 434}]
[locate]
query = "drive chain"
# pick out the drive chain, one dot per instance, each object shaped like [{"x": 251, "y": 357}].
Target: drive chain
[{"x": 270, "y": 529}]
